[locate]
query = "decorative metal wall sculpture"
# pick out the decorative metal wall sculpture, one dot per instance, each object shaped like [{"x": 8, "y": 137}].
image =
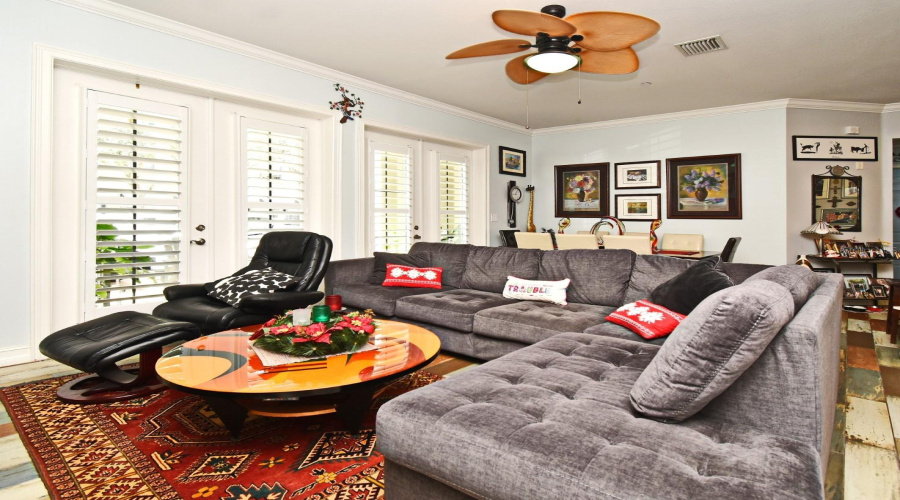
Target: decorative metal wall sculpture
[{"x": 347, "y": 104}]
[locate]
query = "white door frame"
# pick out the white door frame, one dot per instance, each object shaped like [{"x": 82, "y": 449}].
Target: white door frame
[
  {"x": 479, "y": 227},
  {"x": 46, "y": 60}
]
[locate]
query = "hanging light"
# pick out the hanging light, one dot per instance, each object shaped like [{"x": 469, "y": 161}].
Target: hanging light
[{"x": 552, "y": 61}]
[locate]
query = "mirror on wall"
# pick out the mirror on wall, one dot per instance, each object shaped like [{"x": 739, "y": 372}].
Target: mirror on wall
[{"x": 837, "y": 200}]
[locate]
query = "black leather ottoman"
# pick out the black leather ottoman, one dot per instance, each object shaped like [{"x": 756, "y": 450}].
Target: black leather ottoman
[{"x": 95, "y": 346}]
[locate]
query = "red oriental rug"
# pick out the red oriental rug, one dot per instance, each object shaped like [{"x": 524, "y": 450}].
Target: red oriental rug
[{"x": 171, "y": 445}]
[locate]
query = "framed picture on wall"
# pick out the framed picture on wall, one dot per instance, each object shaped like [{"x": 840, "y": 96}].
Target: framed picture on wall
[
  {"x": 638, "y": 174},
  {"x": 824, "y": 147},
  {"x": 637, "y": 207},
  {"x": 581, "y": 190},
  {"x": 704, "y": 187},
  {"x": 821, "y": 187},
  {"x": 512, "y": 161}
]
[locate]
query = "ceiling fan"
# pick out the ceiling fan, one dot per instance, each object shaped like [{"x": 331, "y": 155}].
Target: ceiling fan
[{"x": 600, "y": 42}]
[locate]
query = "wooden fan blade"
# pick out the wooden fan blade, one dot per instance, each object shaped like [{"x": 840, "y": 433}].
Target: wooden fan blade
[
  {"x": 608, "y": 31},
  {"x": 526, "y": 22},
  {"x": 491, "y": 49},
  {"x": 521, "y": 74},
  {"x": 618, "y": 62}
]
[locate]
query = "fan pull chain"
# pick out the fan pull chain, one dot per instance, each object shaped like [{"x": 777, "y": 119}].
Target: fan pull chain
[
  {"x": 527, "y": 125},
  {"x": 579, "y": 82}
]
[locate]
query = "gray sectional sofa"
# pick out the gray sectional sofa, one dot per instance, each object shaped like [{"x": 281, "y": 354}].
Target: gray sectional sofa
[{"x": 553, "y": 414}]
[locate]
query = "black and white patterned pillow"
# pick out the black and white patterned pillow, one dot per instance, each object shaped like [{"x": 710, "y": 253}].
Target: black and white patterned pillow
[{"x": 258, "y": 281}]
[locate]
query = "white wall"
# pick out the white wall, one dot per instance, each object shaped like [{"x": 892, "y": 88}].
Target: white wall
[
  {"x": 24, "y": 23},
  {"x": 875, "y": 182},
  {"x": 758, "y": 135}
]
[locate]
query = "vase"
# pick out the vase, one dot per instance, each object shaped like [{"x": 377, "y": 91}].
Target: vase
[
  {"x": 580, "y": 195},
  {"x": 701, "y": 194}
]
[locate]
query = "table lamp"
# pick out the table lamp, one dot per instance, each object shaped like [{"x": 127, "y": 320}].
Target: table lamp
[{"x": 820, "y": 229}]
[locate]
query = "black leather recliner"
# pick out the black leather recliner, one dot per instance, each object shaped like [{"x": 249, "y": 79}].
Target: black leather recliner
[{"x": 301, "y": 254}]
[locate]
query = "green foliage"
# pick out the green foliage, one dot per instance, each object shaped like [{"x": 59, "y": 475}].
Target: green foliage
[
  {"x": 110, "y": 250},
  {"x": 345, "y": 340}
]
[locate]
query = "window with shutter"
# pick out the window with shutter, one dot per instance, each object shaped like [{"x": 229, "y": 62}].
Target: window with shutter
[
  {"x": 453, "y": 197},
  {"x": 135, "y": 174},
  {"x": 274, "y": 166},
  {"x": 392, "y": 196}
]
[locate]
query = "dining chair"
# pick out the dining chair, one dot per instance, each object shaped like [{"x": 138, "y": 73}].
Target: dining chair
[
  {"x": 730, "y": 249},
  {"x": 636, "y": 243},
  {"x": 540, "y": 241},
  {"x": 682, "y": 242},
  {"x": 576, "y": 241}
]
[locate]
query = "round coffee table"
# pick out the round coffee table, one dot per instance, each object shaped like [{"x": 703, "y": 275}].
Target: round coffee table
[{"x": 227, "y": 374}]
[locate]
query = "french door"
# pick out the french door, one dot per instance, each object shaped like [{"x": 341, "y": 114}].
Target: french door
[{"x": 417, "y": 191}]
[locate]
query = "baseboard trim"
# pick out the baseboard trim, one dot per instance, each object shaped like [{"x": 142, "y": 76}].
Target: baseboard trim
[{"x": 15, "y": 355}]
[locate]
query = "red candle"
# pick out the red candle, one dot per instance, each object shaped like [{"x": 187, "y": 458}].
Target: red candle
[{"x": 334, "y": 302}]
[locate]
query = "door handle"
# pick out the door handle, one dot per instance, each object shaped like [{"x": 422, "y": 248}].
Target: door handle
[
  {"x": 417, "y": 237},
  {"x": 201, "y": 227},
  {"x": 200, "y": 242}
]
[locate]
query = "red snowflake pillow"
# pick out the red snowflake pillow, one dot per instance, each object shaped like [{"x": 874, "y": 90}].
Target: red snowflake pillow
[
  {"x": 646, "y": 319},
  {"x": 413, "y": 277}
]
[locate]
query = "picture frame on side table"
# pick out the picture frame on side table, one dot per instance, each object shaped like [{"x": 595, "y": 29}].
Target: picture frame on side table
[
  {"x": 637, "y": 207},
  {"x": 863, "y": 281},
  {"x": 581, "y": 190},
  {"x": 829, "y": 147},
  {"x": 704, "y": 187},
  {"x": 512, "y": 161},
  {"x": 638, "y": 174}
]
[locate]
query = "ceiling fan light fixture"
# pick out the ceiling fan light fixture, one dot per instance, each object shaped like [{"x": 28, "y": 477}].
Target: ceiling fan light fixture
[{"x": 552, "y": 62}]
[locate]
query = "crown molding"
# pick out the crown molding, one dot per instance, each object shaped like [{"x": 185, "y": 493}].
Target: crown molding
[
  {"x": 680, "y": 115},
  {"x": 859, "y": 107},
  {"x": 892, "y": 108},
  {"x": 174, "y": 28}
]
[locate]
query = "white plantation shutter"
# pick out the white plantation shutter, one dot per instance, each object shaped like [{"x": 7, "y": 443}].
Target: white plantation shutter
[
  {"x": 391, "y": 169},
  {"x": 453, "y": 197},
  {"x": 274, "y": 162},
  {"x": 135, "y": 165}
]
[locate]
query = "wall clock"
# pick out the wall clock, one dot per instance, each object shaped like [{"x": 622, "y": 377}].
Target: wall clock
[{"x": 513, "y": 196}]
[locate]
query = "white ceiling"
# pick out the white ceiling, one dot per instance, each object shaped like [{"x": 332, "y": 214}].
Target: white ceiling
[{"x": 842, "y": 50}]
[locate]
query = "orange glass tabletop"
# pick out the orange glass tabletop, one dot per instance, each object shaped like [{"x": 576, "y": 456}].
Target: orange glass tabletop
[{"x": 224, "y": 362}]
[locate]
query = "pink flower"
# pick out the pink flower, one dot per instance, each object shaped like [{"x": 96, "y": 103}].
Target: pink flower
[
  {"x": 298, "y": 340},
  {"x": 269, "y": 323},
  {"x": 324, "y": 338},
  {"x": 259, "y": 333},
  {"x": 280, "y": 330}
]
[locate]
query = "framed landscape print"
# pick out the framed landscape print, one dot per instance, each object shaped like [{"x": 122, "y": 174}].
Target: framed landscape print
[
  {"x": 704, "y": 187},
  {"x": 637, "y": 175},
  {"x": 582, "y": 190},
  {"x": 637, "y": 207},
  {"x": 512, "y": 161},
  {"x": 808, "y": 147}
]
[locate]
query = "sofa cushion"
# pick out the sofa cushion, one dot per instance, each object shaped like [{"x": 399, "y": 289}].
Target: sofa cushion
[
  {"x": 453, "y": 308},
  {"x": 552, "y": 420},
  {"x": 649, "y": 320},
  {"x": 381, "y": 299},
  {"x": 687, "y": 290},
  {"x": 711, "y": 348},
  {"x": 598, "y": 278},
  {"x": 608, "y": 329},
  {"x": 532, "y": 322},
  {"x": 450, "y": 257},
  {"x": 800, "y": 281},
  {"x": 413, "y": 277},
  {"x": 650, "y": 271},
  {"x": 382, "y": 259},
  {"x": 488, "y": 267}
]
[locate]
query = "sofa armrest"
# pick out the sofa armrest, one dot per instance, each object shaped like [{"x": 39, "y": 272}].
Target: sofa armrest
[
  {"x": 176, "y": 292},
  {"x": 278, "y": 302},
  {"x": 348, "y": 272}
]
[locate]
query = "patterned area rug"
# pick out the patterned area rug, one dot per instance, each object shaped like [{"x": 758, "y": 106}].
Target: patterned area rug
[{"x": 171, "y": 446}]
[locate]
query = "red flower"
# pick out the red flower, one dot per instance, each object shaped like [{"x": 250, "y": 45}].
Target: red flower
[
  {"x": 259, "y": 333},
  {"x": 298, "y": 340},
  {"x": 269, "y": 323},
  {"x": 324, "y": 338},
  {"x": 315, "y": 329},
  {"x": 280, "y": 330}
]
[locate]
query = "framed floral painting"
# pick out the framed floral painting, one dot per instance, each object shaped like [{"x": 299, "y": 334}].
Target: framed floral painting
[
  {"x": 704, "y": 187},
  {"x": 582, "y": 190}
]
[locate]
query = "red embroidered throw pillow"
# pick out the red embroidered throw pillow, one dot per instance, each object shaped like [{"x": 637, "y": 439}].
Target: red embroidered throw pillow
[
  {"x": 646, "y": 319},
  {"x": 413, "y": 277}
]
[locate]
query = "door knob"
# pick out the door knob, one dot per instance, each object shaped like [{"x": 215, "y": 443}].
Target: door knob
[
  {"x": 201, "y": 227},
  {"x": 200, "y": 242},
  {"x": 417, "y": 237}
]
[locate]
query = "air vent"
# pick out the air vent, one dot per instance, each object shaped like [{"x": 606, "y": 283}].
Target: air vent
[{"x": 701, "y": 46}]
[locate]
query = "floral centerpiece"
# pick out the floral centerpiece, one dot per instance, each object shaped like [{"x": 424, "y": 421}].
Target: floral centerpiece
[
  {"x": 341, "y": 334},
  {"x": 701, "y": 183}
]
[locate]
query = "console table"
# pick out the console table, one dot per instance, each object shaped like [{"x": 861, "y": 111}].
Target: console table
[{"x": 836, "y": 262}]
